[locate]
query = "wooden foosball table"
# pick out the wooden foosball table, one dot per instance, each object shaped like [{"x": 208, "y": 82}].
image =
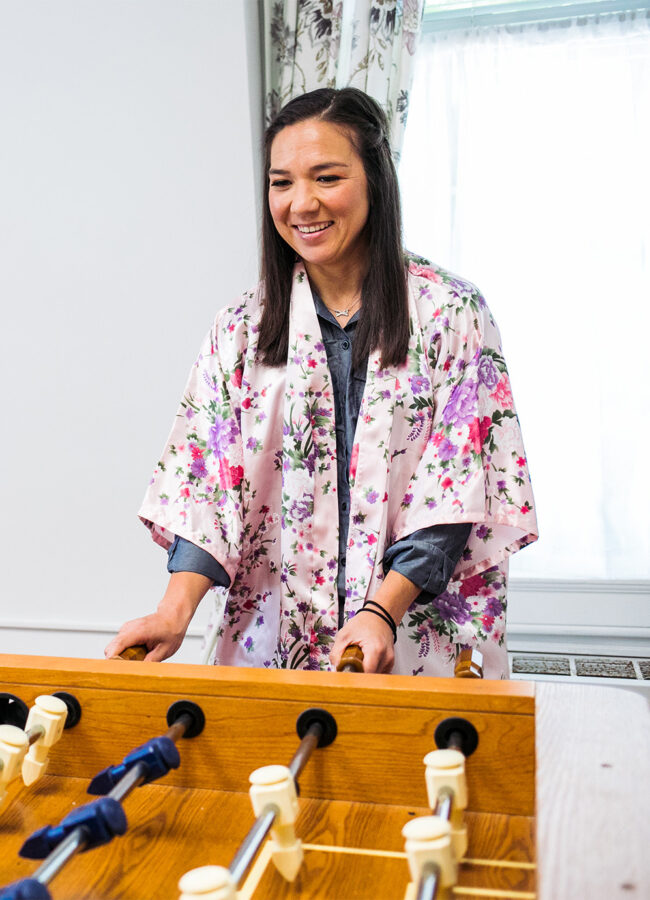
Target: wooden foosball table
[{"x": 557, "y": 787}]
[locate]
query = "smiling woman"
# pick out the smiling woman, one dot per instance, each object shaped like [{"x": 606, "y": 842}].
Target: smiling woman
[
  {"x": 318, "y": 198},
  {"x": 346, "y": 466}
]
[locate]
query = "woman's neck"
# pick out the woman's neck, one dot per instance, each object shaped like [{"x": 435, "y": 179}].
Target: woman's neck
[{"x": 337, "y": 286}]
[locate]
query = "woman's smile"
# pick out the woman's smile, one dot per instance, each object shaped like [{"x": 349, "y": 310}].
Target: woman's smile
[{"x": 312, "y": 229}]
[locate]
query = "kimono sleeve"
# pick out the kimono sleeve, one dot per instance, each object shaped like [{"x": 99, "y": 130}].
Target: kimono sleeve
[
  {"x": 473, "y": 467},
  {"x": 196, "y": 490}
]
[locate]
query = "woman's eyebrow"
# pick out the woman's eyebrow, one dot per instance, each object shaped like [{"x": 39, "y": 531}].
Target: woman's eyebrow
[{"x": 318, "y": 168}]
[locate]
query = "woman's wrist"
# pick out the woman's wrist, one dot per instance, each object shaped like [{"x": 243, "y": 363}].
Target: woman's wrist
[
  {"x": 395, "y": 595},
  {"x": 183, "y": 595},
  {"x": 371, "y": 606}
]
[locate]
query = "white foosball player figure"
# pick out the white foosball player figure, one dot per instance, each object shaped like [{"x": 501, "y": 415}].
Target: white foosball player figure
[
  {"x": 27, "y": 750},
  {"x": 14, "y": 745},
  {"x": 49, "y": 714},
  {"x": 445, "y": 770},
  {"x": 274, "y": 785},
  {"x": 428, "y": 846},
  {"x": 207, "y": 883},
  {"x": 273, "y": 793}
]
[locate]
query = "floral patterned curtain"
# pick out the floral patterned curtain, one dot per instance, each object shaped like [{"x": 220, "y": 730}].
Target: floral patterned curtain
[{"x": 369, "y": 44}]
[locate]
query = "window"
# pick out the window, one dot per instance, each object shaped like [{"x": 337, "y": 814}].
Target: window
[{"x": 525, "y": 168}]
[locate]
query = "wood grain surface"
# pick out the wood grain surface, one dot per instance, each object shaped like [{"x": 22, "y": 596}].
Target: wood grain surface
[
  {"x": 593, "y": 792},
  {"x": 224, "y": 681},
  {"x": 174, "y": 829},
  {"x": 383, "y": 733}
]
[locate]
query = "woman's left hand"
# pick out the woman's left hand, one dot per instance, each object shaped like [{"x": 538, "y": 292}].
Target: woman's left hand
[
  {"x": 374, "y": 637},
  {"x": 370, "y": 632}
]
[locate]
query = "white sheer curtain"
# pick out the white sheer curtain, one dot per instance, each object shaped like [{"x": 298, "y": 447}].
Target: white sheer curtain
[{"x": 525, "y": 168}]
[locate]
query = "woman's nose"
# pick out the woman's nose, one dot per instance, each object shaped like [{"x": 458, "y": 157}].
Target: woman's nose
[{"x": 304, "y": 198}]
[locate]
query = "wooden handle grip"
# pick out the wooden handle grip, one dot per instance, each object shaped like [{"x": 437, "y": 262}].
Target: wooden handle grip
[
  {"x": 469, "y": 664},
  {"x": 136, "y": 653},
  {"x": 352, "y": 659}
]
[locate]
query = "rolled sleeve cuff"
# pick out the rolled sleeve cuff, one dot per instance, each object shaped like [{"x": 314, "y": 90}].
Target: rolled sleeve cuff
[
  {"x": 429, "y": 556},
  {"x": 183, "y": 556}
]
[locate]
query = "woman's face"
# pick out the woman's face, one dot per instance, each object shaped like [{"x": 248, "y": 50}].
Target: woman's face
[{"x": 318, "y": 193}]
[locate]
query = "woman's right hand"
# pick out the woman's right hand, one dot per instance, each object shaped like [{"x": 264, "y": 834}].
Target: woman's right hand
[
  {"x": 162, "y": 636},
  {"x": 162, "y": 632}
]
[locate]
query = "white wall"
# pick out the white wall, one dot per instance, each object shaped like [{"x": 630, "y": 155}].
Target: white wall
[{"x": 128, "y": 154}]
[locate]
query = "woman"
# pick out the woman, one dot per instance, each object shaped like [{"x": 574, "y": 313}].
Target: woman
[{"x": 353, "y": 388}]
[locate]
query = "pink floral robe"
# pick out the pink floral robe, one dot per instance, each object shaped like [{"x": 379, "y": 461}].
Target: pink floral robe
[{"x": 249, "y": 474}]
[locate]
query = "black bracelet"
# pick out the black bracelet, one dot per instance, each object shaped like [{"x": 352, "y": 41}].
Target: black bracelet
[
  {"x": 393, "y": 623},
  {"x": 383, "y": 618}
]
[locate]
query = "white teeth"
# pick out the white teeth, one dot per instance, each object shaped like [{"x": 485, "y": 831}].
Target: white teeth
[{"x": 309, "y": 229}]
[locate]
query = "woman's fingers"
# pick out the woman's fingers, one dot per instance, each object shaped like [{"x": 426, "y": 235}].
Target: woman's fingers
[
  {"x": 159, "y": 652},
  {"x": 378, "y": 656},
  {"x": 129, "y": 635},
  {"x": 374, "y": 638},
  {"x": 154, "y": 631}
]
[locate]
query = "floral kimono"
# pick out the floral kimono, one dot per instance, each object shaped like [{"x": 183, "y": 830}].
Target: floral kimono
[{"x": 249, "y": 474}]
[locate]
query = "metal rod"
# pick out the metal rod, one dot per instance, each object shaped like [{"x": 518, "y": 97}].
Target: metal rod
[
  {"x": 444, "y": 803},
  {"x": 129, "y": 782},
  {"x": 77, "y": 838},
  {"x": 307, "y": 745},
  {"x": 180, "y": 726},
  {"x": 135, "y": 776},
  {"x": 429, "y": 882},
  {"x": 74, "y": 843},
  {"x": 455, "y": 742},
  {"x": 35, "y": 734},
  {"x": 252, "y": 842}
]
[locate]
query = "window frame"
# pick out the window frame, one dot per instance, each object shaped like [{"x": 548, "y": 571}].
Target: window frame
[{"x": 450, "y": 15}]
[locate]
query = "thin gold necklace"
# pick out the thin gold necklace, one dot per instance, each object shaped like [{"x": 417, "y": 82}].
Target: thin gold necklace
[{"x": 344, "y": 312}]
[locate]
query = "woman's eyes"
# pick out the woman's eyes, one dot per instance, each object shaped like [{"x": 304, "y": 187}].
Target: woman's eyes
[{"x": 322, "y": 179}]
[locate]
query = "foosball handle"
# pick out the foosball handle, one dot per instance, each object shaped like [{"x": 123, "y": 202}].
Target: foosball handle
[
  {"x": 136, "y": 653},
  {"x": 469, "y": 664},
  {"x": 351, "y": 660}
]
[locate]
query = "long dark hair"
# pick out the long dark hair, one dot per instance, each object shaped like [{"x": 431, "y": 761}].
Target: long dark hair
[{"x": 383, "y": 321}]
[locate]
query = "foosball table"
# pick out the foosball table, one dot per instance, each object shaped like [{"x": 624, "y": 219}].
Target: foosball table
[{"x": 552, "y": 801}]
